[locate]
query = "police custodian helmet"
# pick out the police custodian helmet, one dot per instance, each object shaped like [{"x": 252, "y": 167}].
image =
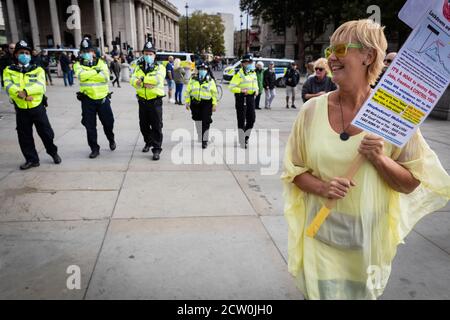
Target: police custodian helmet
[
  {"x": 86, "y": 45},
  {"x": 22, "y": 44},
  {"x": 247, "y": 58},
  {"x": 149, "y": 47}
]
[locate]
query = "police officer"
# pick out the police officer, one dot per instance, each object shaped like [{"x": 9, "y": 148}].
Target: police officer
[
  {"x": 244, "y": 85},
  {"x": 93, "y": 74},
  {"x": 201, "y": 99},
  {"x": 148, "y": 80},
  {"x": 25, "y": 84}
]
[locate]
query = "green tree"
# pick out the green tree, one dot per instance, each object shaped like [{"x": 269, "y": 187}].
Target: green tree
[
  {"x": 311, "y": 17},
  {"x": 205, "y": 31}
]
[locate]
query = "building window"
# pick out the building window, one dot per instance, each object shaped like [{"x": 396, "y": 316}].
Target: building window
[
  {"x": 170, "y": 46},
  {"x": 159, "y": 22}
]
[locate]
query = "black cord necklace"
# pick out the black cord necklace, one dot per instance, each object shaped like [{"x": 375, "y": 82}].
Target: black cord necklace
[{"x": 344, "y": 134}]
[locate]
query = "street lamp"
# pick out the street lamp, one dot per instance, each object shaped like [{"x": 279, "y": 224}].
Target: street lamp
[
  {"x": 187, "y": 28},
  {"x": 240, "y": 42},
  {"x": 246, "y": 37}
]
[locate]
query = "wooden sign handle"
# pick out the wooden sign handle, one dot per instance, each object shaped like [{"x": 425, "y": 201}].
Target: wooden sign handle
[{"x": 321, "y": 216}]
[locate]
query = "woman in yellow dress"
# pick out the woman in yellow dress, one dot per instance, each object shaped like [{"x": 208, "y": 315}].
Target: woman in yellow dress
[{"x": 351, "y": 255}]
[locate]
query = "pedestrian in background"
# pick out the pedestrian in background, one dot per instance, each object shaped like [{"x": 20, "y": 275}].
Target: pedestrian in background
[
  {"x": 179, "y": 78},
  {"x": 169, "y": 78},
  {"x": 114, "y": 68},
  {"x": 269, "y": 81},
  {"x": 387, "y": 62},
  {"x": 7, "y": 59},
  {"x": 65, "y": 64},
  {"x": 260, "y": 78},
  {"x": 45, "y": 61},
  {"x": 291, "y": 79},
  {"x": 320, "y": 83}
]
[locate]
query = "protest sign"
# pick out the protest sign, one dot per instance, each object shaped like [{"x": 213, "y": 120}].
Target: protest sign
[
  {"x": 408, "y": 90},
  {"x": 413, "y": 83}
]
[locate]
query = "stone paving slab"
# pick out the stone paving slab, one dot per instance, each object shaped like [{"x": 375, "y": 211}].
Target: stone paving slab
[
  {"x": 264, "y": 192},
  {"x": 436, "y": 228},
  {"x": 57, "y": 181},
  {"x": 197, "y": 258},
  {"x": 181, "y": 194},
  {"x": 35, "y": 257},
  {"x": 76, "y": 158},
  {"x": 30, "y": 204},
  {"x": 420, "y": 271},
  {"x": 277, "y": 228},
  {"x": 123, "y": 137}
]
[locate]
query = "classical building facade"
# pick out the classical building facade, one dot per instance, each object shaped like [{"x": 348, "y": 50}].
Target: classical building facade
[
  {"x": 228, "y": 36},
  {"x": 52, "y": 23}
]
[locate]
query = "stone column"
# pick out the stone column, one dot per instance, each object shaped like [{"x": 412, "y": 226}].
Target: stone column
[
  {"x": 130, "y": 23},
  {"x": 12, "y": 21},
  {"x": 55, "y": 23},
  {"x": 77, "y": 32},
  {"x": 108, "y": 24},
  {"x": 98, "y": 23},
  {"x": 34, "y": 24},
  {"x": 140, "y": 26}
]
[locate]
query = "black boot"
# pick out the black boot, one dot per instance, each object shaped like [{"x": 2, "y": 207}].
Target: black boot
[
  {"x": 94, "y": 154},
  {"x": 156, "y": 155},
  {"x": 112, "y": 145},
  {"x": 27, "y": 165},
  {"x": 146, "y": 148},
  {"x": 204, "y": 144},
  {"x": 56, "y": 158}
]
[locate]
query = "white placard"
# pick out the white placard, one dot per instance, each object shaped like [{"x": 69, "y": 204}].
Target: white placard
[
  {"x": 413, "y": 11},
  {"x": 413, "y": 83}
]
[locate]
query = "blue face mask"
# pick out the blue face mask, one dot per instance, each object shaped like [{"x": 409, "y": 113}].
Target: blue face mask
[
  {"x": 87, "y": 56},
  {"x": 149, "y": 59},
  {"x": 24, "y": 59},
  {"x": 250, "y": 67},
  {"x": 202, "y": 74}
]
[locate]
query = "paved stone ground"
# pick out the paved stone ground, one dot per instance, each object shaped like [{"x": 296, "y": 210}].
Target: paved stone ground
[{"x": 140, "y": 229}]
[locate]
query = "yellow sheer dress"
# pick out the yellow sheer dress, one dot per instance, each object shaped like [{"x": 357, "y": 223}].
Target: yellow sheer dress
[{"x": 351, "y": 255}]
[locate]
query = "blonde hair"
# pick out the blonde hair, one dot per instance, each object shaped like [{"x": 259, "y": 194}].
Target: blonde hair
[
  {"x": 176, "y": 63},
  {"x": 322, "y": 63},
  {"x": 371, "y": 35}
]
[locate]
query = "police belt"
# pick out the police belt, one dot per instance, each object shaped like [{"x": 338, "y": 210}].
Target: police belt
[
  {"x": 148, "y": 100},
  {"x": 82, "y": 96}
]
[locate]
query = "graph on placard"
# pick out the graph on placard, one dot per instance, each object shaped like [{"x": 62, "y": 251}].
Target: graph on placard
[{"x": 428, "y": 43}]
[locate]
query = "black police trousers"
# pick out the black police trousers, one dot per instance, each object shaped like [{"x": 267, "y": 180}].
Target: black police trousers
[
  {"x": 151, "y": 122},
  {"x": 245, "y": 112},
  {"x": 90, "y": 108},
  {"x": 25, "y": 119},
  {"x": 202, "y": 115}
]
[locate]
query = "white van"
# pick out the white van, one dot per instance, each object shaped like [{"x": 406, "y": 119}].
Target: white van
[
  {"x": 54, "y": 54},
  {"x": 281, "y": 66},
  {"x": 187, "y": 59}
]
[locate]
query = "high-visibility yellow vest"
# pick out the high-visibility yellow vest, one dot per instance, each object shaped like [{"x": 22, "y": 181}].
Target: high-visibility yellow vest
[
  {"x": 154, "y": 77},
  {"x": 242, "y": 80},
  {"x": 93, "y": 80},
  {"x": 32, "y": 81},
  {"x": 198, "y": 91}
]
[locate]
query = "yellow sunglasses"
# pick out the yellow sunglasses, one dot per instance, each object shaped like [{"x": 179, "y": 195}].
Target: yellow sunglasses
[{"x": 340, "y": 50}]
